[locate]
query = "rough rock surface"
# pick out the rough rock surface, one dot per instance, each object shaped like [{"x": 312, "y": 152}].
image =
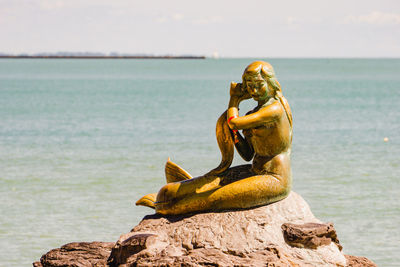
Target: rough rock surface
[
  {"x": 244, "y": 237},
  {"x": 284, "y": 233},
  {"x": 353, "y": 261},
  {"x": 310, "y": 235},
  {"x": 77, "y": 254}
]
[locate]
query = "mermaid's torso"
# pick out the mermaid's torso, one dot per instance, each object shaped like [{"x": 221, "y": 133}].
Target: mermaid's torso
[{"x": 271, "y": 143}]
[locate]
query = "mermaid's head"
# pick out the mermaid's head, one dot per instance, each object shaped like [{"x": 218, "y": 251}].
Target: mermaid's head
[{"x": 259, "y": 80}]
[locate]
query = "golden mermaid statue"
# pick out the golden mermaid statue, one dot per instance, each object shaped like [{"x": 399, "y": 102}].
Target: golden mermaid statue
[{"x": 267, "y": 138}]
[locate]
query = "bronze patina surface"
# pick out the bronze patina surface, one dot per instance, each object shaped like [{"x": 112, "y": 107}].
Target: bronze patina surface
[{"x": 265, "y": 139}]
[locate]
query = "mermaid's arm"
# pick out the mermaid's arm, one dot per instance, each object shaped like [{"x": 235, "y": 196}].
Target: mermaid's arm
[
  {"x": 266, "y": 114},
  {"x": 237, "y": 95},
  {"x": 243, "y": 147}
]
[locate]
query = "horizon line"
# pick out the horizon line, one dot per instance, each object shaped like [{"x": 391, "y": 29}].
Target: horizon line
[{"x": 187, "y": 57}]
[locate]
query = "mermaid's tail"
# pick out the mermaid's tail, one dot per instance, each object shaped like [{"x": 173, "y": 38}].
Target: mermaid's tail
[{"x": 174, "y": 173}]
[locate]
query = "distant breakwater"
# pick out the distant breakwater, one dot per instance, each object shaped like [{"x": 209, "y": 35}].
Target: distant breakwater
[{"x": 106, "y": 57}]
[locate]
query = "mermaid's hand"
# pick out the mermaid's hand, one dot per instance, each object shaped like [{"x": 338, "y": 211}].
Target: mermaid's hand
[{"x": 237, "y": 91}]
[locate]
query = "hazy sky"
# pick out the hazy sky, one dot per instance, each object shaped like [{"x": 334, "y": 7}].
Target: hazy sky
[{"x": 251, "y": 28}]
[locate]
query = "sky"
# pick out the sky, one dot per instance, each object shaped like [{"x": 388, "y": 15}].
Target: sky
[{"x": 251, "y": 28}]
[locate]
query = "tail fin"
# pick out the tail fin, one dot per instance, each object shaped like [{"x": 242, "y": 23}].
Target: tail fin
[
  {"x": 174, "y": 173},
  {"x": 147, "y": 201}
]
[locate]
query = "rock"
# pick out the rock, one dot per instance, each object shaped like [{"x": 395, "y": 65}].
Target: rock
[
  {"x": 131, "y": 244},
  {"x": 250, "y": 237},
  {"x": 77, "y": 254},
  {"x": 284, "y": 233},
  {"x": 353, "y": 261},
  {"x": 310, "y": 235}
]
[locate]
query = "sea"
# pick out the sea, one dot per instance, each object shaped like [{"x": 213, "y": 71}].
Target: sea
[{"x": 82, "y": 139}]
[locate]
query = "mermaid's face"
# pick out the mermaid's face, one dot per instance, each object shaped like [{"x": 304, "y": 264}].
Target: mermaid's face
[{"x": 257, "y": 87}]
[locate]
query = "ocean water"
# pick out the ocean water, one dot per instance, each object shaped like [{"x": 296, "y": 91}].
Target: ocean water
[{"x": 82, "y": 140}]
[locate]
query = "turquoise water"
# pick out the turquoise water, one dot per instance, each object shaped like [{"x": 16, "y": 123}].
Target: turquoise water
[{"x": 82, "y": 140}]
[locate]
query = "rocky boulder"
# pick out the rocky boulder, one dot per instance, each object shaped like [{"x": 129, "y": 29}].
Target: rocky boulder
[{"x": 284, "y": 233}]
